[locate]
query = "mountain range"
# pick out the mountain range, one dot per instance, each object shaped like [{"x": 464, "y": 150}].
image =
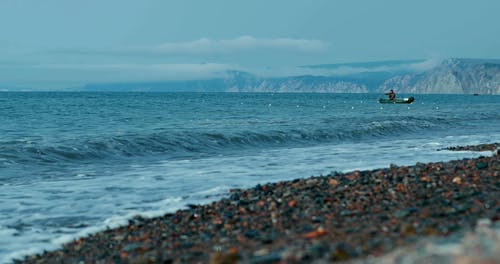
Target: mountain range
[{"x": 450, "y": 76}]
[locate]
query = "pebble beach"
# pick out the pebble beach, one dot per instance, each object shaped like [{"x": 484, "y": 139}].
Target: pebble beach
[{"x": 439, "y": 212}]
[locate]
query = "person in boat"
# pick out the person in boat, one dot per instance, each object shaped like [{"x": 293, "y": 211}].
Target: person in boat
[{"x": 391, "y": 94}]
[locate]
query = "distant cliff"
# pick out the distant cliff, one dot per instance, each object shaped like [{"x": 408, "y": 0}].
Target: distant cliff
[
  {"x": 243, "y": 82},
  {"x": 452, "y": 76}
]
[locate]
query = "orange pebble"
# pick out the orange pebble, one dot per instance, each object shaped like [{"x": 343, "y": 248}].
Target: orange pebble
[
  {"x": 232, "y": 250},
  {"x": 425, "y": 179},
  {"x": 316, "y": 233},
  {"x": 400, "y": 187},
  {"x": 333, "y": 182}
]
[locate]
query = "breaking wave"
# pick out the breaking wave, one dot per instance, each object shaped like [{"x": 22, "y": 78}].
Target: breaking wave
[{"x": 195, "y": 144}]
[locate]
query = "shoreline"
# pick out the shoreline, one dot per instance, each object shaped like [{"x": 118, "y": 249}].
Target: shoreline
[{"x": 336, "y": 217}]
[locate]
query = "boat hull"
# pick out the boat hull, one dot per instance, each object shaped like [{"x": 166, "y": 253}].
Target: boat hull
[{"x": 408, "y": 100}]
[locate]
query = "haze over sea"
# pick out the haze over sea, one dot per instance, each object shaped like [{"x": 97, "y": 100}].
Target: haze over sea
[{"x": 72, "y": 163}]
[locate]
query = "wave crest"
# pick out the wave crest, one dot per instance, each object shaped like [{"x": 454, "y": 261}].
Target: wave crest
[{"x": 194, "y": 144}]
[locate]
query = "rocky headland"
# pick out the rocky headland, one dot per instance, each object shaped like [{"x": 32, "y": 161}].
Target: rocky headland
[{"x": 452, "y": 76}]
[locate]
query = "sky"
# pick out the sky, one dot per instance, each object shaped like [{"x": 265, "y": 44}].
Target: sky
[{"x": 55, "y": 44}]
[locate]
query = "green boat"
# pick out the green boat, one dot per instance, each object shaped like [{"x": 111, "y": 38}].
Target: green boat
[{"x": 408, "y": 100}]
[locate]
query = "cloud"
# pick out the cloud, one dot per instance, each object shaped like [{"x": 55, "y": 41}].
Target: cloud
[
  {"x": 357, "y": 68},
  {"x": 425, "y": 65},
  {"x": 243, "y": 43},
  {"x": 238, "y": 49},
  {"x": 159, "y": 67},
  {"x": 136, "y": 72},
  {"x": 122, "y": 72}
]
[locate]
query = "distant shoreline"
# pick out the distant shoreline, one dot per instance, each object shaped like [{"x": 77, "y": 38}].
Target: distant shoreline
[
  {"x": 344, "y": 216},
  {"x": 447, "y": 76}
]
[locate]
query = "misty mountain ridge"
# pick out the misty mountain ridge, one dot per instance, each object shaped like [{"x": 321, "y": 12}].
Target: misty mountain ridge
[{"x": 450, "y": 76}]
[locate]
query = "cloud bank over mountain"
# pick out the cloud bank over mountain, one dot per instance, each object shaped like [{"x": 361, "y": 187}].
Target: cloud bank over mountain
[
  {"x": 457, "y": 76},
  {"x": 413, "y": 76}
]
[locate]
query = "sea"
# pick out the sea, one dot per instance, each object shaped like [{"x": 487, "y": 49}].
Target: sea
[{"x": 74, "y": 163}]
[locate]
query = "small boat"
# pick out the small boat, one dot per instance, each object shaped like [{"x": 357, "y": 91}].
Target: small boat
[{"x": 408, "y": 100}]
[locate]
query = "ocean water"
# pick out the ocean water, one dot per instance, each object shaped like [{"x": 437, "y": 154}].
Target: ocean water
[{"x": 76, "y": 163}]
